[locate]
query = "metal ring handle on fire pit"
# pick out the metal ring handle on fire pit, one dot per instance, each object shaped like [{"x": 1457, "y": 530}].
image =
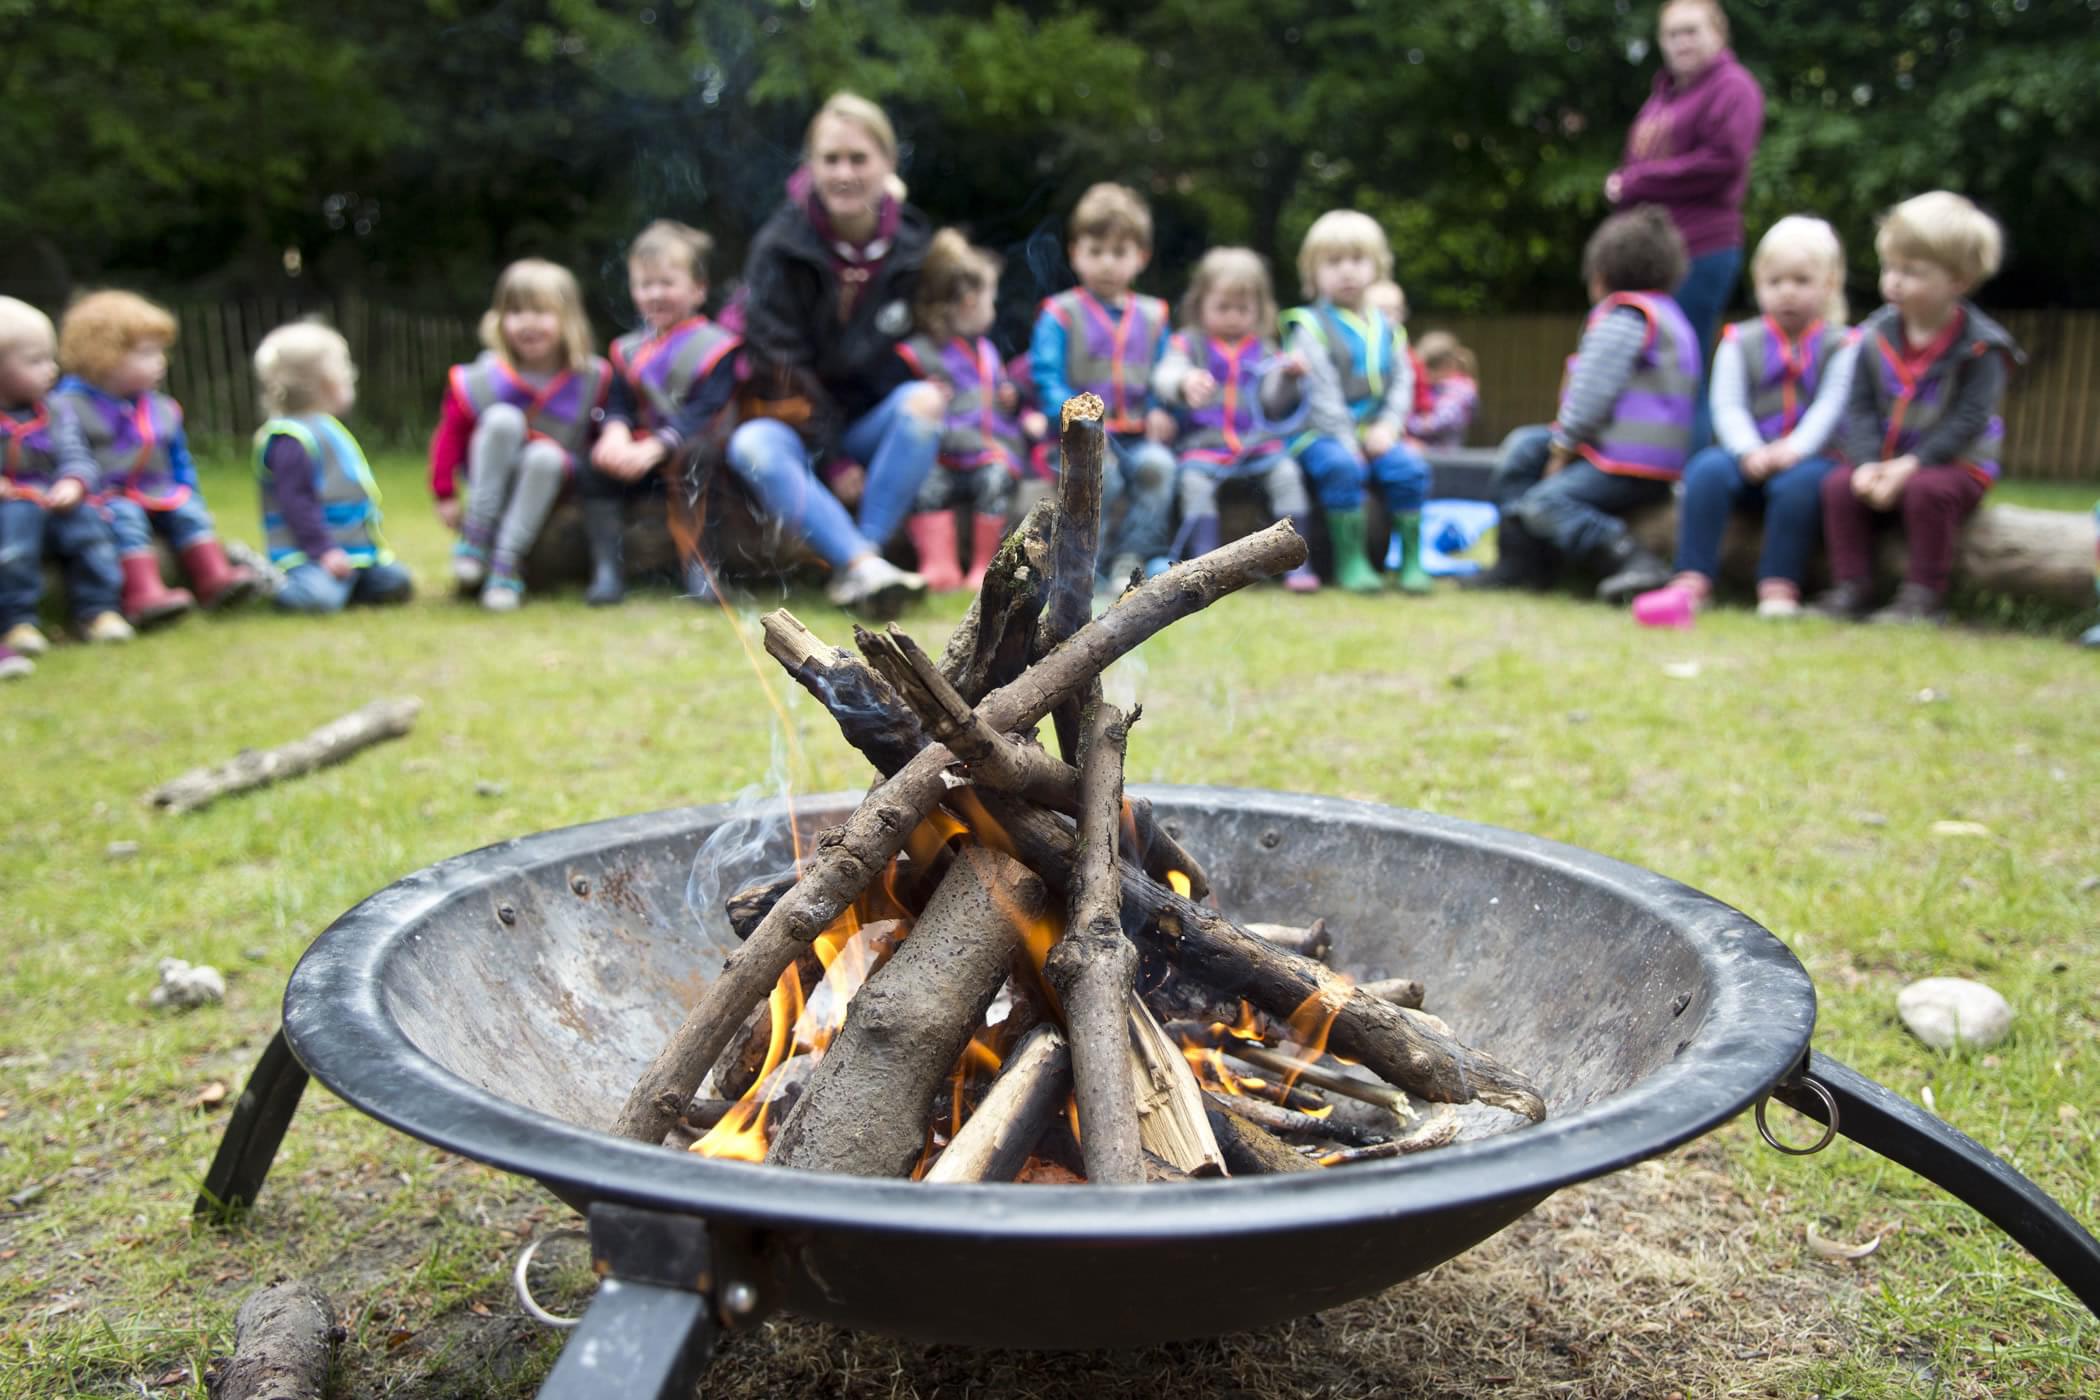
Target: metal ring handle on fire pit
[
  {"x": 523, "y": 1284},
  {"x": 1830, "y": 1121}
]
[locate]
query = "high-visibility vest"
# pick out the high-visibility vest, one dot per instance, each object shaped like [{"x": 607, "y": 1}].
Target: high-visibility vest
[{"x": 342, "y": 482}]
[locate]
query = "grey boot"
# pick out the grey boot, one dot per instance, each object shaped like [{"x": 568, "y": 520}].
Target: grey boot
[{"x": 603, "y": 522}]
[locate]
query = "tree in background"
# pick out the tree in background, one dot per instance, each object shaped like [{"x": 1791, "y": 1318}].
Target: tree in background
[{"x": 410, "y": 147}]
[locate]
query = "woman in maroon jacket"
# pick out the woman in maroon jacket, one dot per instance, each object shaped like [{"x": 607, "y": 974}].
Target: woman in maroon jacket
[{"x": 1690, "y": 150}]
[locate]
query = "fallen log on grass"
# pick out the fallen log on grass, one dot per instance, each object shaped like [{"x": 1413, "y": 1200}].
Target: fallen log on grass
[
  {"x": 2013, "y": 551},
  {"x": 253, "y": 768},
  {"x": 283, "y": 1339}
]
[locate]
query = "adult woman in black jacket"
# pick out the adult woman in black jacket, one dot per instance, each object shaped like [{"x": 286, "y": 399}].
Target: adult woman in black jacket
[{"x": 829, "y": 283}]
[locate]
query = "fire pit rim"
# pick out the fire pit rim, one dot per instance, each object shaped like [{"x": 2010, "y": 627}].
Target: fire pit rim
[{"x": 1755, "y": 1029}]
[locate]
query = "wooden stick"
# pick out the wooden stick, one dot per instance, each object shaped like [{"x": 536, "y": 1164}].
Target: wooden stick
[
  {"x": 253, "y": 768},
  {"x": 999, "y": 760},
  {"x": 849, "y": 857},
  {"x": 1400, "y": 991},
  {"x": 283, "y": 1337},
  {"x": 864, "y": 1109},
  {"x": 1289, "y": 1122},
  {"x": 1384, "y": 1096},
  {"x": 1028, "y": 1094},
  {"x": 1312, "y": 941},
  {"x": 1397, "y": 1045},
  {"x": 1093, "y": 967},
  {"x": 1161, "y": 851},
  {"x": 1437, "y": 1130},
  {"x": 1082, "y": 449},
  {"x": 1172, "y": 1124},
  {"x": 991, "y": 645},
  {"x": 749, "y": 906},
  {"x": 1252, "y": 1150},
  {"x": 869, "y": 713}
]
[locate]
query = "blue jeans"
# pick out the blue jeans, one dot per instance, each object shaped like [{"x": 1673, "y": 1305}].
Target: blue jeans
[
  {"x": 898, "y": 449},
  {"x": 1703, "y": 295},
  {"x": 78, "y": 538},
  {"x": 1139, "y": 476},
  {"x": 1338, "y": 476},
  {"x": 135, "y": 526},
  {"x": 1714, "y": 486},
  {"x": 309, "y": 588},
  {"x": 769, "y": 458},
  {"x": 1577, "y": 510}
]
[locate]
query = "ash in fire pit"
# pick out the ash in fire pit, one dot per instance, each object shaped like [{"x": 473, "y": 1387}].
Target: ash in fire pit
[{"x": 973, "y": 977}]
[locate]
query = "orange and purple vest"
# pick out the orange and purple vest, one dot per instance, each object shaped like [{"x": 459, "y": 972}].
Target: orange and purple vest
[
  {"x": 1784, "y": 374},
  {"x": 663, "y": 369},
  {"x": 128, "y": 438},
  {"x": 28, "y": 457},
  {"x": 1911, "y": 400},
  {"x": 1229, "y": 429},
  {"x": 976, "y": 431},
  {"x": 1111, "y": 355},
  {"x": 1649, "y": 433},
  {"x": 563, "y": 411}
]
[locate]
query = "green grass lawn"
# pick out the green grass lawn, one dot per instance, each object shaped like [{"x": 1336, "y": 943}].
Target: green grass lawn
[{"x": 1796, "y": 772}]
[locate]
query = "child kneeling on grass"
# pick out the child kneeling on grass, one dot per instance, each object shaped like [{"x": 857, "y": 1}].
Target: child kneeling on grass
[
  {"x": 1921, "y": 434},
  {"x": 320, "y": 506},
  {"x": 521, "y": 417},
  {"x": 1624, "y": 428},
  {"x": 981, "y": 447},
  {"x": 114, "y": 347},
  {"x": 46, "y": 479},
  {"x": 1779, "y": 389}
]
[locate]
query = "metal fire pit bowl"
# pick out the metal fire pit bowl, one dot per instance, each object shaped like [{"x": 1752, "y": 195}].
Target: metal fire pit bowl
[{"x": 500, "y": 1004}]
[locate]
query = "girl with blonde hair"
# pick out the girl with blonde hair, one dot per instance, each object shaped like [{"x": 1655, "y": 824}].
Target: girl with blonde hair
[
  {"x": 1227, "y": 386},
  {"x": 521, "y": 417},
  {"x": 1778, "y": 391}
]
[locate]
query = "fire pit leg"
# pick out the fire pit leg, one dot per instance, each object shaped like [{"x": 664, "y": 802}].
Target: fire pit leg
[
  {"x": 260, "y": 1117},
  {"x": 1886, "y": 1123},
  {"x": 651, "y": 1327}
]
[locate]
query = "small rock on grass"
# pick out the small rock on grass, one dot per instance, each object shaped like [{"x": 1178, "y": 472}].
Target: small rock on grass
[
  {"x": 1943, "y": 1011},
  {"x": 120, "y": 850},
  {"x": 488, "y": 788},
  {"x": 184, "y": 988}
]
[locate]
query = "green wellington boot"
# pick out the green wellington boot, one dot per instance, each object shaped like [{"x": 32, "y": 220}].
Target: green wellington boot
[
  {"x": 1345, "y": 531},
  {"x": 1412, "y": 578}
]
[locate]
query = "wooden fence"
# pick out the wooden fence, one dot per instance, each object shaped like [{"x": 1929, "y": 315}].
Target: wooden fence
[
  {"x": 401, "y": 359},
  {"x": 2052, "y": 408}
]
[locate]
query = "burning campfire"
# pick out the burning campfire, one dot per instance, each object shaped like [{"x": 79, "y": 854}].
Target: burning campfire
[{"x": 1002, "y": 968}]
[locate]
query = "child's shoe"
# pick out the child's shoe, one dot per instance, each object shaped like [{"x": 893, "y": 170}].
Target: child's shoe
[
  {"x": 147, "y": 601},
  {"x": 1407, "y": 533},
  {"x": 1157, "y": 565},
  {"x": 987, "y": 533},
  {"x": 1302, "y": 579},
  {"x": 1628, "y": 569},
  {"x": 2090, "y": 637},
  {"x": 26, "y": 639},
  {"x": 933, "y": 537},
  {"x": 107, "y": 628},
  {"x": 604, "y": 521},
  {"x": 470, "y": 566},
  {"x": 1120, "y": 569},
  {"x": 1914, "y": 602},
  {"x": 504, "y": 592},
  {"x": 14, "y": 665},
  {"x": 874, "y": 588},
  {"x": 1847, "y": 600},
  {"x": 216, "y": 581},
  {"x": 1345, "y": 532},
  {"x": 1777, "y": 598}
]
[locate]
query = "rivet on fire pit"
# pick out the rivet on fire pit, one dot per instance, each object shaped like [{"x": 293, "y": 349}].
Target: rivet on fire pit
[
  {"x": 740, "y": 1299},
  {"x": 1677, "y": 1007},
  {"x": 579, "y": 884},
  {"x": 506, "y": 913},
  {"x": 1271, "y": 839}
]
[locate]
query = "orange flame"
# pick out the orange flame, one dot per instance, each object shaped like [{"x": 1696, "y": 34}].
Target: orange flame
[
  {"x": 1313, "y": 1020},
  {"x": 1176, "y": 881},
  {"x": 741, "y": 1135}
]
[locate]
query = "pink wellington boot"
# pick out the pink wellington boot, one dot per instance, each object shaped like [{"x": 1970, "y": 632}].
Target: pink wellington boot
[{"x": 933, "y": 536}]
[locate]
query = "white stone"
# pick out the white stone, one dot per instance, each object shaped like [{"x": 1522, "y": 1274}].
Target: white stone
[
  {"x": 1943, "y": 1010},
  {"x": 183, "y": 987}
]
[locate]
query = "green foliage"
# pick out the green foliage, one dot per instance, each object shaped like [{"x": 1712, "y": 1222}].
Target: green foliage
[{"x": 416, "y": 144}]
